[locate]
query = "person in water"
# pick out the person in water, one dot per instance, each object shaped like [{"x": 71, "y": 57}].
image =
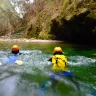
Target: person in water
[
  {"x": 13, "y": 56},
  {"x": 59, "y": 62},
  {"x": 59, "y": 68}
]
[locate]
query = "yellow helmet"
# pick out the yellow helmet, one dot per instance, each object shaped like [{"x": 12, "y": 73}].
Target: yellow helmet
[
  {"x": 15, "y": 47},
  {"x": 57, "y": 49}
]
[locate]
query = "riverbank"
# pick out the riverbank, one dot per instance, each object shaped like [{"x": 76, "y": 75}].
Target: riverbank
[{"x": 27, "y": 40}]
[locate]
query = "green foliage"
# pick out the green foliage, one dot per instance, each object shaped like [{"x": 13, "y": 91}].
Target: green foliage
[
  {"x": 32, "y": 32},
  {"x": 64, "y": 6},
  {"x": 8, "y": 17},
  {"x": 43, "y": 35},
  {"x": 70, "y": 20}
]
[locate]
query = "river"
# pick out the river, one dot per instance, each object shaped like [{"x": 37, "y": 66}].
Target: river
[{"x": 26, "y": 80}]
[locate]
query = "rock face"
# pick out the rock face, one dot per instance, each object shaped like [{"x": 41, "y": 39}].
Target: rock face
[
  {"x": 68, "y": 20},
  {"x": 79, "y": 26}
]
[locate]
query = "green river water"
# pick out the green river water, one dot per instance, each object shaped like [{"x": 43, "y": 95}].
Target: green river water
[{"x": 26, "y": 80}]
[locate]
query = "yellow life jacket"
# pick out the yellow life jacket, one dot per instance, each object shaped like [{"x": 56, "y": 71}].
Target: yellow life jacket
[{"x": 59, "y": 63}]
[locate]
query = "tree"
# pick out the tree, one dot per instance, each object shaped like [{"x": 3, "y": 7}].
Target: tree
[{"x": 8, "y": 17}]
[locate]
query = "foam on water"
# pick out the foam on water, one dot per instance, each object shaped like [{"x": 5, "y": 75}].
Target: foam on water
[
  {"x": 35, "y": 61},
  {"x": 80, "y": 60}
]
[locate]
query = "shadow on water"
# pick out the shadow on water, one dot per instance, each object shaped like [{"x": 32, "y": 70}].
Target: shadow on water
[{"x": 27, "y": 79}]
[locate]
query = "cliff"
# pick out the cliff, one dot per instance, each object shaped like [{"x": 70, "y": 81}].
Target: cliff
[{"x": 68, "y": 20}]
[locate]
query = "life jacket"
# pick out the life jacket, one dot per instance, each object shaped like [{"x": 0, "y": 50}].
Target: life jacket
[
  {"x": 10, "y": 60},
  {"x": 59, "y": 63}
]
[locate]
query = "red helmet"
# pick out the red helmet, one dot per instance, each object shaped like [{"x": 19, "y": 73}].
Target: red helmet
[
  {"x": 15, "y": 47},
  {"x": 57, "y": 49}
]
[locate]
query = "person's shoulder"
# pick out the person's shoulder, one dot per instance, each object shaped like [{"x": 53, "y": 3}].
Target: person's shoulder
[
  {"x": 63, "y": 56},
  {"x": 60, "y": 55},
  {"x": 20, "y": 53}
]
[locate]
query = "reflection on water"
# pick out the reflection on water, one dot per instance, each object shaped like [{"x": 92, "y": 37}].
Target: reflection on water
[{"x": 26, "y": 80}]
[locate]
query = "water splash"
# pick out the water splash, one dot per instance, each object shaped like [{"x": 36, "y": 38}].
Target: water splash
[
  {"x": 80, "y": 60},
  {"x": 33, "y": 67}
]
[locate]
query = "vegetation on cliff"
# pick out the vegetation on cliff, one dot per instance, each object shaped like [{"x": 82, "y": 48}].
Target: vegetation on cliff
[
  {"x": 8, "y": 18},
  {"x": 68, "y": 20}
]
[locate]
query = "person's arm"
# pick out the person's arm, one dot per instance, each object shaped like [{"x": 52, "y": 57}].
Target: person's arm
[{"x": 50, "y": 59}]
